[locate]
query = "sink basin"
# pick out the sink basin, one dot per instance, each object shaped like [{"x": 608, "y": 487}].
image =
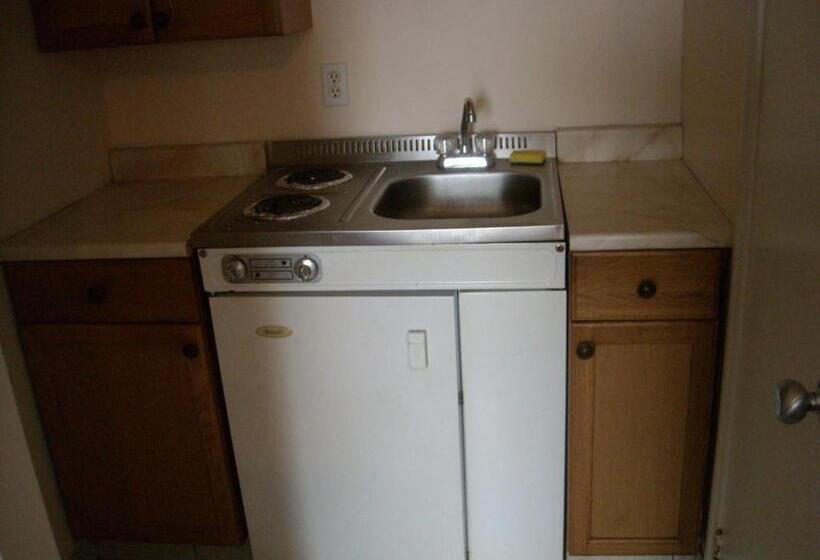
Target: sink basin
[{"x": 460, "y": 195}]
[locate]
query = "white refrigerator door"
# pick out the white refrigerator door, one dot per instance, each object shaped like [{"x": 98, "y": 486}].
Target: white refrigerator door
[
  {"x": 514, "y": 381},
  {"x": 345, "y": 423}
]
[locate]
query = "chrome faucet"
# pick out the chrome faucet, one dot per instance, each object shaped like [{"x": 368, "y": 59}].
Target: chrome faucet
[
  {"x": 468, "y": 150},
  {"x": 465, "y": 141}
]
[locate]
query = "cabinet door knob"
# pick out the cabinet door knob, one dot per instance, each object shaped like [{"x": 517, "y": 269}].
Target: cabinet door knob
[
  {"x": 585, "y": 350},
  {"x": 190, "y": 351},
  {"x": 161, "y": 20},
  {"x": 137, "y": 21},
  {"x": 647, "y": 289},
  {"x": 96, "y": 294}
]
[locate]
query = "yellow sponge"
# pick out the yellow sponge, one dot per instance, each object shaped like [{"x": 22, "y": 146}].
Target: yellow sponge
[{"x": 528, "y": 157}]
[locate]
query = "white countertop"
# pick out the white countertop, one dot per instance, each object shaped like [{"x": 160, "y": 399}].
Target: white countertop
[
  {"x": 639, "y": 205},
  {"x": 609, "y": 206},
  {"x": 135, "y": 219}
]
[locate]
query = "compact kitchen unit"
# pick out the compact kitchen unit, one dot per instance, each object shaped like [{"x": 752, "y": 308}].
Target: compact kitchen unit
[{"x": 392, "y": 345}]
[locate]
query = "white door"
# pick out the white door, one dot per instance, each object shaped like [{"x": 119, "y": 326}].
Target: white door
[
  {"x": 767, "y": 492},
  {"x": 345, "y": 422},
  {"x": 514, "y": 381}
]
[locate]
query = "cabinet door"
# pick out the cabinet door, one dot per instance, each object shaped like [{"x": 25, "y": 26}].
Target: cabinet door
[
  {"x": 513, "y": 368},
  {"x": 76, "y": 24},
  {"x": 639, "y": 433},
  {"x": 134, "y": 429},
  {"x": 345, "y": 420},
  {"x": 183, "y": 20}
]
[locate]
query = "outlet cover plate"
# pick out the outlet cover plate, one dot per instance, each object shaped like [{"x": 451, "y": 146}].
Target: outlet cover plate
[{"x": 334, "y": 84}]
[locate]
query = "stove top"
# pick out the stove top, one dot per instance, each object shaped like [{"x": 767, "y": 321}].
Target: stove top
[
  {"x": 278, "y": 212},
  {"x": 279, "y": 205}
]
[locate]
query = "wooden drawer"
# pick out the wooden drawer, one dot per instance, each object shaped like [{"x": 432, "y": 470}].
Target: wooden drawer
[
  {"x": 113, "y": 291},
  {"x": 645, "y": 285}
]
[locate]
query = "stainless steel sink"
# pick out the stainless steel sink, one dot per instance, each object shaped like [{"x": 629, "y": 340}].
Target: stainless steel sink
[{"x": 460, "y": 195}]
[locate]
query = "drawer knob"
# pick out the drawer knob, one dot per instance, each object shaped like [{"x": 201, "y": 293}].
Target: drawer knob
[
  {"x": 647, "y": 289},
  {"x": 585, "y": 350},
  {"x": 190, "y": 351},
  {"x": 161, "y": 20},
  {"x": 96, "y": 294},
  {"x": 137, "y": 21}
]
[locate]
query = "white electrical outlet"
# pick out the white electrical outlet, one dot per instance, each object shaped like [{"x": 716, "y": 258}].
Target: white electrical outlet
[{"x": 334, "y": 84}]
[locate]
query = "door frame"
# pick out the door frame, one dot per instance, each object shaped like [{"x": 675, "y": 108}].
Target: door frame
[{"x": 731, "y": 381}]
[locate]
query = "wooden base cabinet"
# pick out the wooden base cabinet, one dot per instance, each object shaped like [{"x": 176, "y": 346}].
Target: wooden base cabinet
[
  {"x": 133, "y": 430},
  {"x": 132, "y": 411},
  {"x": 640, "y": 401}
]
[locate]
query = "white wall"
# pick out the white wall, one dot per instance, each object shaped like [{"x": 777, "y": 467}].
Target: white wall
[
  {"x": 533, "y": 64},
  {"x": 53, "y": 151}
]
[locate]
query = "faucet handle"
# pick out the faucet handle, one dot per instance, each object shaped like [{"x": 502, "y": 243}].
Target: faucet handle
[
  {"x": 446, "y": 145},
  {"x": 484, "y": 144}
]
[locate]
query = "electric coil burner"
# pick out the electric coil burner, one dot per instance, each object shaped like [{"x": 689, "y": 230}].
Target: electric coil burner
[
  {"x": 286, "y": 207},
  {"x": 314, "y": 179}
]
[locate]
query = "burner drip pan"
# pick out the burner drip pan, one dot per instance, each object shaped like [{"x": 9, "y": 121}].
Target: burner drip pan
[
  {"x": 315, "y": 178},
  {"x": 286, "y": 207}
]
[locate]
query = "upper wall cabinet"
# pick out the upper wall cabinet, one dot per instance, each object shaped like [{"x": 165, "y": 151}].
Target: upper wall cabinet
[
  {"x": 79, "y": 24},
  {"x": 211, "y": 19},
  {"x": 75, "y": 24}
]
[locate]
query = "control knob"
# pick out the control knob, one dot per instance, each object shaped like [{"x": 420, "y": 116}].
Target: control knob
[
  {"x": 235, "y": 270},
  {"x": 306, "y": 269}
]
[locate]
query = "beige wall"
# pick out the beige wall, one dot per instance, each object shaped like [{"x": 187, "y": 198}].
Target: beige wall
[
  {"x": 53, "y": 151},
  {"x": 716, "y": 39},
  {"x": 53, "y": 135},
  {"x": 532, "y": 64}
]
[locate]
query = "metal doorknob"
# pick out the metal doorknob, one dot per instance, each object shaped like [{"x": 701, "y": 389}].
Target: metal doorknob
[{"x": 793, "y": 401}]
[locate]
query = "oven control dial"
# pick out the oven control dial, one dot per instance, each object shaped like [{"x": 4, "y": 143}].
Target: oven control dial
[
  {"x": 235, "y": 270},
  {"x": 306, "y": 269}
]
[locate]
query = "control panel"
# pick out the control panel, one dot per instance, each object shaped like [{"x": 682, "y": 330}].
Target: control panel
[
  {"x": 374, "y": 268},
  {"x": 246, "y": 269}
]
